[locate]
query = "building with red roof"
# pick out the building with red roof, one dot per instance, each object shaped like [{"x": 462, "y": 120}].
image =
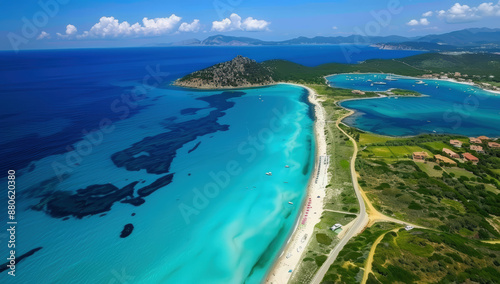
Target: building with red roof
[{"x": 470, "y": 158}]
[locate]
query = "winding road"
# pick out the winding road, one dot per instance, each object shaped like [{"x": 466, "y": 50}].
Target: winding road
[
  {"x": 368, "y": 214},
  {"x": 361, "y": 220}
]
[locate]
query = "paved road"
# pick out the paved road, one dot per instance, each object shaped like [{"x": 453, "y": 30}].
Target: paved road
[{"x": 358, "y": 225}]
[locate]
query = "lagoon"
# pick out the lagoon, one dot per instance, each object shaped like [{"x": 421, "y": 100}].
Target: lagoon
[{"x": 446, "y": 107}]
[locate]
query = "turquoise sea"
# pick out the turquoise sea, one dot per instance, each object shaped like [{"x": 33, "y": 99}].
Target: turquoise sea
[
  {"x": 122, "y": 178},
  {"x": 446, "y": 107}
]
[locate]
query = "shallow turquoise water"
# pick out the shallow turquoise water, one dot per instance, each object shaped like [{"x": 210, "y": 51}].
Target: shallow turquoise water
[
  {"x": 221, "y": 220},
  {"x": 448, "y": 107}
]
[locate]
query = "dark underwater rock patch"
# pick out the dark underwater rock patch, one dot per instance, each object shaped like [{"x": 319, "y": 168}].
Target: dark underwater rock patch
[
  {"x": 163, "y": 147},
  {"x": 97, "y": 199},
  {"x": 127, "y": 230},
  {"x": 94, "y": 199}
]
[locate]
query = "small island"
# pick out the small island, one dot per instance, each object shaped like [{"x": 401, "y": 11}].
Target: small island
[
  {"x": 241, "y": 72},
  {"x": 403, "y": 93}
]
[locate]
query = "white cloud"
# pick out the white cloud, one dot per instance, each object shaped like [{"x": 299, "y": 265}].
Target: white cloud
[
  {"x": 427, "y": 14},
  {"x": 234, "y": 23},
  {"x": 422, "y": 22},
  {"x": 71, "y": 30},
  {"x": 109, "y": 27},
  {"x": 252, "y": 25},
  {"x": 159, "y": 26},
  {"x": 43, "y": 35},
  {"x": 463, "y": 13},
  {"x": 228, "y": 24},
  {"x": 193, "y": 27},
  {"x": 412, "y": 23}
]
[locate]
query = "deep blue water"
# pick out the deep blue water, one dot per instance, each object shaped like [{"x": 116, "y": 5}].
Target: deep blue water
[
  {"x": 84, "y": 127},
  {"x": 446, "y": 107}
]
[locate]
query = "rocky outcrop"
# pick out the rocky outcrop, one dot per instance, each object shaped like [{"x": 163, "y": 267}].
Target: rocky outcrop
[{"x": 241, "y": 72}]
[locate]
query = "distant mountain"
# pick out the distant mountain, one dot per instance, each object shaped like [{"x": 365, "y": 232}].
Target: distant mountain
[
  {"x": 341, "y": 39},
  {"x": 231, "y": 40},
  {"x": 191, "y": 41},
  {"x": 457, "y": 40},
  {"x": 413, "y": 45},
  {"x": 467, "y": 37}
]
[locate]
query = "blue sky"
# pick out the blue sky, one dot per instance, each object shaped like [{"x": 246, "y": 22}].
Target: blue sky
[{"x": 106, "y": 23}]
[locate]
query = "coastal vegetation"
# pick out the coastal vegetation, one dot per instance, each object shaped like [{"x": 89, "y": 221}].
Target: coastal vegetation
[
  {"x": 419, "y": 255},
  {"x": 319, "y": 246},
  {"x": 459, "y": 204},
  {"x": 402, "y": 93}
]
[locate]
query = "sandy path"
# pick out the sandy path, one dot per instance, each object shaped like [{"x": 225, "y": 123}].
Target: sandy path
[{"x": 369, "y": 261}]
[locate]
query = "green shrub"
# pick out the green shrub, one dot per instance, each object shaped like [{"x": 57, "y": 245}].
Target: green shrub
[{"x": 323, "y": 239}]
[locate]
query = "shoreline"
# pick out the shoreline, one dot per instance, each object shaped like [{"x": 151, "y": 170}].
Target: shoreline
[
  {"x": 452, "y": 80},
  {"x": 279, "y": 270}
]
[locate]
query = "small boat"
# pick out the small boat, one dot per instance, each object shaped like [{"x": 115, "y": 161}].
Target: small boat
[
  {"x": 369, "y": 80},
  {"x": 269, "y": 173},
  {"x": 389, "y": 78},
  {"x": 289, "y": 202},
  {"x": 379, "y": 83},
  {"x": 287, "y": 166},
  {"x": 420, "y": 82}
]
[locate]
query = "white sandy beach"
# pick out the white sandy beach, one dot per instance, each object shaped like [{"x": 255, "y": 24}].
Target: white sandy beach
[{"x": 312, "y": 211}]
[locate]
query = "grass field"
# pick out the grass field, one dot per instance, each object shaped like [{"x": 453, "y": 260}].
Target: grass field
[
  {"x": 429, "y": 169},
  {"x": 392, "y": 153},
  {"x": 460, "y": 172},
  {"x": 369, "y": 138},
  {"x": 440, "y": 145}
]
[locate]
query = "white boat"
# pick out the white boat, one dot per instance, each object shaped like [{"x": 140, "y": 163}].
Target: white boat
[
  {"x": 369, "y": 80},
  {"x": 287, "y": 166},
  {"x": 420, "y": 82},
  {"x": 269, "y": 173},
  {"x": 289, "y": 202},
  {"x": 379, "y": 83},
  {"x": 389, "y": 78}
]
